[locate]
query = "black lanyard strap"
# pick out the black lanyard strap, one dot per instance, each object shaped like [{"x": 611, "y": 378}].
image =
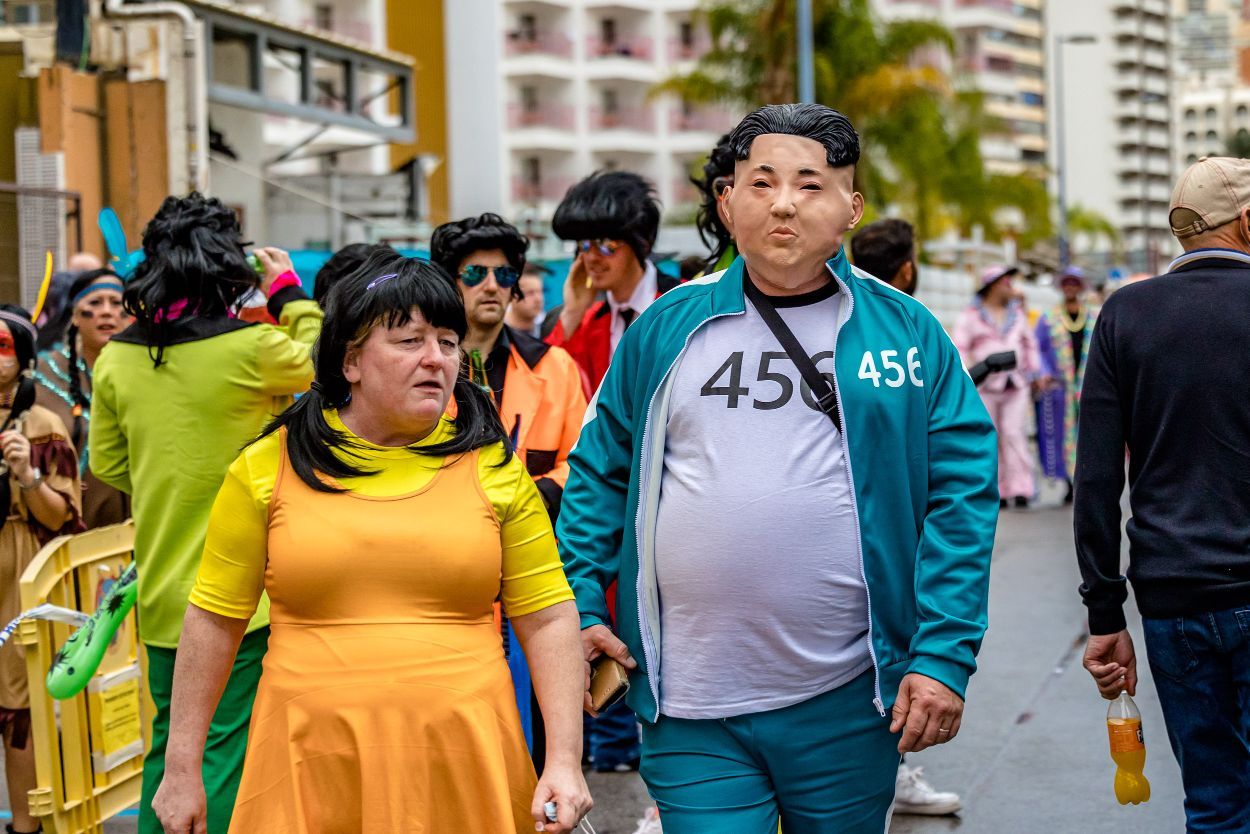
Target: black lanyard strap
[{"x": 824, "y": 388}]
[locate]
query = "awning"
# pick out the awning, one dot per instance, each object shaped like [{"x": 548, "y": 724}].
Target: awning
[{"x": 340, "y": 81}]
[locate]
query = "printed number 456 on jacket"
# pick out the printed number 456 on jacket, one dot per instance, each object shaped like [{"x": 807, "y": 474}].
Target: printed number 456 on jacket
[{"x": 894, "y": 376}]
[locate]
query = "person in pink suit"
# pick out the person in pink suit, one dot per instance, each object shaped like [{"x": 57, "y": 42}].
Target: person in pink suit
[{"x": 996, "y": 322}]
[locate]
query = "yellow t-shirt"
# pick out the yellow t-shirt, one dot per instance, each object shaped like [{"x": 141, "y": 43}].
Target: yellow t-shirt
[{"x": 232, "y": 572}]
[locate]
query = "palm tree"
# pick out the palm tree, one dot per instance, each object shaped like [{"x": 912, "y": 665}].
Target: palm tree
[{"x": 921, "y": 137}]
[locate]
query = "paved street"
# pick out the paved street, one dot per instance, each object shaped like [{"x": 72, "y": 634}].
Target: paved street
[{"x": 1032, "y": 754}]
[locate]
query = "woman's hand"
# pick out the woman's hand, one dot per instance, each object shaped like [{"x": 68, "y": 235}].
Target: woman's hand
[
  {"x": 566, "y": 787},
  {"x": 180, "y": 805},
  {"x": 276, "y": 263},
  {"x": 16, "y": 450}
]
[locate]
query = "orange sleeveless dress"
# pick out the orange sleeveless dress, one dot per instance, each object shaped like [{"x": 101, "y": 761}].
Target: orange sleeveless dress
[{"x": 385, "y": 704}]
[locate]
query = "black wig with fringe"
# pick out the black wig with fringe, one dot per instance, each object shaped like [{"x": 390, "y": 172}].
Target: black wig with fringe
[
  {"x": 342, "y": 264},
  {"x": 452, "y": 242},
  {"x": 618, "y": 205},
  {"x": 383, "y": 292},
  {"x": 811, "y": 121},
  {"x": 720, "y": 164},
  {"x": 193, "y": 253}
]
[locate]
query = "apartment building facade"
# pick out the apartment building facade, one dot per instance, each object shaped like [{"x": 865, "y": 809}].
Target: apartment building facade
[
  {"x": 999, "y": 50},
  {"x": 1118, "y": 119},
  {"x": 541, "y": 94}
]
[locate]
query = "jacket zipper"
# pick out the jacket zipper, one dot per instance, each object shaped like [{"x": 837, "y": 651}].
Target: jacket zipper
[
  {"x": 649, "y": 649},
  {"x": 859, "y": 544}
]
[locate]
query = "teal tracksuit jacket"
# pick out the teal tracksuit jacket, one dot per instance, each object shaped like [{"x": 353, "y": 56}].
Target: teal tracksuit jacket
[{"x": 922, "y": 460}]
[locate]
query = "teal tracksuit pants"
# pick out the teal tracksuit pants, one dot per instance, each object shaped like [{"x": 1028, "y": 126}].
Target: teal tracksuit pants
[{"x": 824, "y": 766}]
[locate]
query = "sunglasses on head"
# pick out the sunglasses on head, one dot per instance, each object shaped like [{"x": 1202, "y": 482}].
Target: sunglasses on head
[
  {"x": 505, "y": 276},
  {"x": 606, "y": 248}
]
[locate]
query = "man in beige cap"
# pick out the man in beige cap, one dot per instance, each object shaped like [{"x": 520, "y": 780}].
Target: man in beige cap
[{"x": 1168, "y": 376}]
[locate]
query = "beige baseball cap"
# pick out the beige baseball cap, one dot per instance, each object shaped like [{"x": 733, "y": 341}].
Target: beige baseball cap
[{"x": 1210, "y": 193}]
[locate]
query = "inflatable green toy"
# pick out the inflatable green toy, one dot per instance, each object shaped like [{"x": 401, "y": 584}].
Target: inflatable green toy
[{"x": 76, "y": 662}]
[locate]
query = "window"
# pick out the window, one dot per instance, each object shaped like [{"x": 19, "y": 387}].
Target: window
[
  {"x": 611, "y": 102},
  {"x": 1191, "y": 159},
  {"x": 1191, "y": 116},
  {"x": 529, "y": 99},
  {"x": 1242, "y": 112},
  {"x": 1191, "y": 137},
  {"x": 532, "y": 170},
  {"x": 685, "y": 34},
  {"x": 527, "y": 26},
  {"x": 1211, "y": 114},
  {"x": 323, "y": 16},
  {"x": 607, "y": 31}
]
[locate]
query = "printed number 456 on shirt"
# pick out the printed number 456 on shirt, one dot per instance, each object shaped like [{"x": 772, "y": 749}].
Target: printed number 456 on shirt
[{"x": 893, "y": 375}]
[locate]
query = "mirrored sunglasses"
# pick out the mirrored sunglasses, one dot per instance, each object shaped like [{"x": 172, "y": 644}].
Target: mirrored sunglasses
[
  {"x": 606, "y": 248},
  {"x": 505, "y": 276}
]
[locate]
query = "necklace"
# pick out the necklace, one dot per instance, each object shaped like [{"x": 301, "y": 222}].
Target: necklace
[{"x": 1075, "y": 325}]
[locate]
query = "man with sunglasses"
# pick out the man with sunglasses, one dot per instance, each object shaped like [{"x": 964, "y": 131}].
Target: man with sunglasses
[
  {"x": 538, "y": 388},
  {"x": 613, "y": 217}
]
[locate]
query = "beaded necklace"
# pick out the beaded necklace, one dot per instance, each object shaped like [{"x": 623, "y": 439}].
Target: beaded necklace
[{"x": 63, "y": 394}]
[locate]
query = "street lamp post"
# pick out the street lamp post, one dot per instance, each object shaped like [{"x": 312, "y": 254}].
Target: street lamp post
[
  {"x": 807, "y": 72},
  {"x": 1065, "y": 255}
]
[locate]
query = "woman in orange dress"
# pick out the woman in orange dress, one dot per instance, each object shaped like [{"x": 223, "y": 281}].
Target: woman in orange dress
[{"x": 383, "y": 532}]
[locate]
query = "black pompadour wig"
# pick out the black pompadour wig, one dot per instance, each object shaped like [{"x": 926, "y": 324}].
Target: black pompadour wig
[
  {"x": 452, "y": 242},
  {"x": 810, "y": 121},
  {"x": 619, "y": 205}
]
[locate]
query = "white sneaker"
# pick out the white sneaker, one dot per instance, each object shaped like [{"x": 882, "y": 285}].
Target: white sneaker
[{"x": 913, "y": 795}]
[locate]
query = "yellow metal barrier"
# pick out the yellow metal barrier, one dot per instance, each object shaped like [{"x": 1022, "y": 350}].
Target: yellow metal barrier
[{"x": 89, "y": 748}]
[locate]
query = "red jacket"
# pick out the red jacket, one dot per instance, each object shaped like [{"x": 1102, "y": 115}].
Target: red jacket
[{"x": 591, "y": 343}]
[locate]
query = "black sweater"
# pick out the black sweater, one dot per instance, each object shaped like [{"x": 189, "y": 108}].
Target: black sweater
[{"x": 1168, "y": 376}]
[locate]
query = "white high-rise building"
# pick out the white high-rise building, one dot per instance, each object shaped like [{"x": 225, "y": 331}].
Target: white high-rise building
[
  {"x": 1118, "y": 119},
  {"x": 1000, "y": 51},
  {"x": 1213, "y": 78},
  {"x": 541, "y": 94}
]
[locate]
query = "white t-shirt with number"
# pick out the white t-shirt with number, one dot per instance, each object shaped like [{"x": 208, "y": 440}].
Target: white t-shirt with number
[{"x": 762, "y": 598}]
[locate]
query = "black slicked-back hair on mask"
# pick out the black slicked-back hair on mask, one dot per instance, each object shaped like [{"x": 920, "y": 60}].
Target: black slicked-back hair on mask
[
  {"x": 619, "y": 205},
  {"x": 384, "y": 292},
  {"x": 452, "y": 242},
  {"x": 811, "y": 121}
]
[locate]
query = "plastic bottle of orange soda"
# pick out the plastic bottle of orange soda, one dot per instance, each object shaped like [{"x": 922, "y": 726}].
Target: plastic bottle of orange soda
[{"x": 1128, "y": 751}]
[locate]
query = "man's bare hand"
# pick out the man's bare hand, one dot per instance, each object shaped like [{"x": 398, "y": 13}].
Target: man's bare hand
[
  {"x": 1112, "y": 663},
  {"x": 598, "y": 640},
  {"x": 927, "y": 712}
]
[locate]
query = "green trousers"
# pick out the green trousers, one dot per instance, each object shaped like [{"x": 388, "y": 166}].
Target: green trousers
[{"x": 227, "y": 735}]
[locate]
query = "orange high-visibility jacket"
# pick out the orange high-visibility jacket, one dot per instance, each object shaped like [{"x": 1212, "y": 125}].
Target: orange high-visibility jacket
[{"x": 544, "y": 402}]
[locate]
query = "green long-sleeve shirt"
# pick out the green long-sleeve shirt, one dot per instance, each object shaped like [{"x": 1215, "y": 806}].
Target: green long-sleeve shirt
[{"x": 167, "y": 434}]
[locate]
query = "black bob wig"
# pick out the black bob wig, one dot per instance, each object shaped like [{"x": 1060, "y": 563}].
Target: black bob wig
[
  {"x": 618, "y": 205},
  {"x": 383, "y": 292}
]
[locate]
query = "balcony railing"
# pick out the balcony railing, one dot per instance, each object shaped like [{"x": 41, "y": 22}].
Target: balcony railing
[
  {"x": 623, "y": 118},
  {"x": 684, "y": 192},
  {"x": 703, "y": 119},
  {"x": 637, "y": 48},
  {"x": 547, "y": 189},
  {"x": 690, "y": 51},
  {"x": 555, "y": 116},
  {"x": 553, "y": 44}
]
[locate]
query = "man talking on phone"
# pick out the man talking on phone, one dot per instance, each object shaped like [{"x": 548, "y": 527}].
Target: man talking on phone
[{"x": 794, "y": 481}]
